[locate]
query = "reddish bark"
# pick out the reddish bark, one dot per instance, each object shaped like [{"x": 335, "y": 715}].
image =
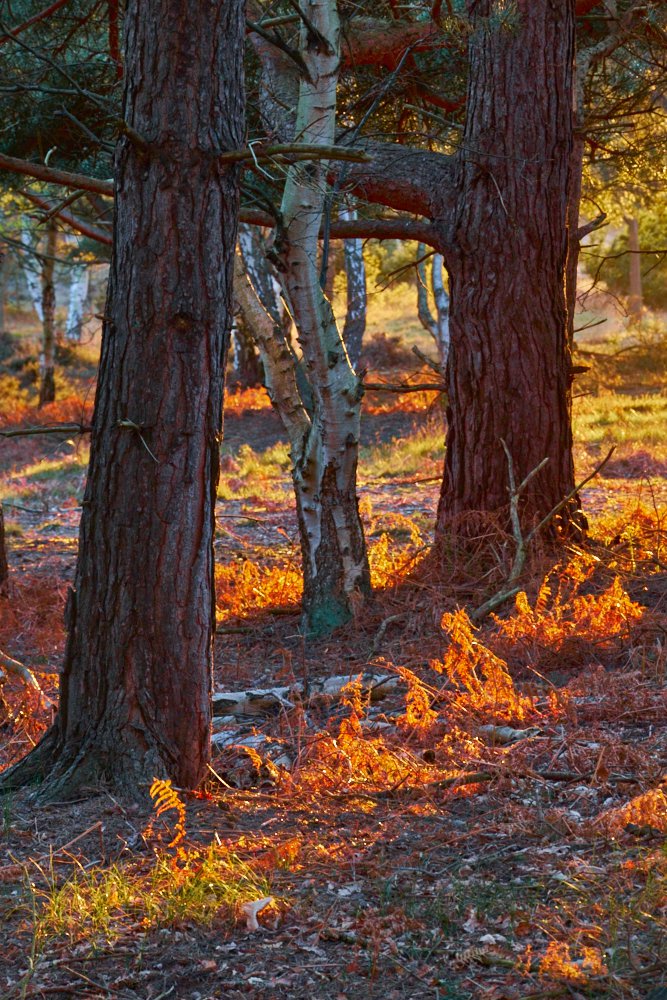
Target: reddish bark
[
  {"x": 135, "y": 692},
  {"x": 510, "y": 371}
]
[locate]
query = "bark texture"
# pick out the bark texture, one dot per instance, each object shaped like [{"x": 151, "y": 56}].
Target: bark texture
[
  {"x": 78, "y": 292},
  {"x": 355, "y": 273},
  {"x": 47, "y": 388},
  {"x": 509, "y": 370},
  {"x": 135, "y": 694},
  {"x": 335, "y": 560}
]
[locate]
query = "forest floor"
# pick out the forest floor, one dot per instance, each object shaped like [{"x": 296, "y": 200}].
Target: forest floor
[{"x": 478, "y": 813}]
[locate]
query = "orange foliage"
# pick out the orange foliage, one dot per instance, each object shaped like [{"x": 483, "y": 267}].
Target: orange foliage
[
  {"x": 406, "y": 402},
  {"x": 389, "y": 559},
  {"x": 418, "y": 711},
  {"x": 240, "y": 400},
  {"x": 69, "y": 410},
  {"x": 648, "y": 809},
  {"x": 245, "y": 587},
  {"x": 484, "y": 676},
  {"x": 557, "y": 963},
  {"x": 570, "y": 622}
]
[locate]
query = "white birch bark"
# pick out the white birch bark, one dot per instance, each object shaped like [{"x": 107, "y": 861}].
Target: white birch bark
[
  {"x": 78, "y": 293},
  {"x": 441, "y": 298},
  {"x": 424, "y": 313},
  {"x": 32, "y": 271},
  {"x": 334, "y": 550},
  {"x": 355, "y": 271}
]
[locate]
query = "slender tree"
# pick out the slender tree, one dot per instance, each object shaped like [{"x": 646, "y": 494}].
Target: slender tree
[
  {"x": 355, "y": 274},
  {"x": 135, "y": 689},
  {"x": 47, "y": 388}
]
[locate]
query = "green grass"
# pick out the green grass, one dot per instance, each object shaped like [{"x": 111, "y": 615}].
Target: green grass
[
  {"x": 420, "y": 454},
  {"x": 613, "y": 418},
  {"x": 200, "y": 887},
  {"x": 60, "y": 477}
]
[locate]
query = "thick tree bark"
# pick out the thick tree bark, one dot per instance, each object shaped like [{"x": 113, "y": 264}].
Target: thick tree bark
[
  {"x": 509, "y": 369},
  {"x": 355, "y": 273},
  {"x": 47, "y": 389},
  {"x": 136, "y": 683}
]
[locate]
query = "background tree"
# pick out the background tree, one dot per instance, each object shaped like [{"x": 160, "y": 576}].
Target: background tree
[{"x": 135, "y": 688}]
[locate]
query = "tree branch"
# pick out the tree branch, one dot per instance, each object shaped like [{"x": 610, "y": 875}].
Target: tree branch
[{"x": 80, "y": 225}]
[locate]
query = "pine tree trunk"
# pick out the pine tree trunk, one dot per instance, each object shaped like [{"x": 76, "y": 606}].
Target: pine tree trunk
[
  {"x": 355, "y": 272},
  {"x": 136, "y": 683},
  {"x": 47, "y": 389},
  {"x": 78, "y": 292},
  {"x": 509, "y": 371}
]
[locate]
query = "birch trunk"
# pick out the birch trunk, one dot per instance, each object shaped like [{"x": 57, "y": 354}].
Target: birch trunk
[
  {"x": 47, "y": 389},
  {"x": 335, "y": 560},
  {"x": 441, "y": 299},
  {"x": 32, "y": 271},
  {"x": 355, "y": 272},
  {"x": 78, "y": 293},
  {"x": 426, "y": 317}
]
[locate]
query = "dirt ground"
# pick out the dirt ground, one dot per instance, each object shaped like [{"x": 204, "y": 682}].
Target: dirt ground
[{"x": 446, "y": 841}]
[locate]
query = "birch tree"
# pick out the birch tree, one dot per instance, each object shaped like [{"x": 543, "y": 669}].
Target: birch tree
[
  {"x": 355, "y": 274},
  {"x": 325, "y": 450},
  {"x": 77, "y": 295}
]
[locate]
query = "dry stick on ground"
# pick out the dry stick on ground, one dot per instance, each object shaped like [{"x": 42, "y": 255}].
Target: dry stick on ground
[
  {"x": 10, "y": 666},
  {"x": 523, "y": 544}
]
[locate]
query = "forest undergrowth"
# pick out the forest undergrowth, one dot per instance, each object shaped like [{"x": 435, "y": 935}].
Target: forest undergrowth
[{"x": 419, "y": 806}]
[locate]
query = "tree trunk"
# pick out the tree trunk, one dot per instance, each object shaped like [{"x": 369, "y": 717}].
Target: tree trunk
[
  {"x": 441, "y": 299},
  {"x": 136, "y": 683},
  {"x": 424, "y": 314},
  {"x": 3, "y": 288},
  {"x": 247, "y": 366},
  {"x": 509, "y": 371},
  {"x": 4, "y": 566},
  {"x": 47, "y": 389},
  {"x": 636, "y": 298},
  {"x": 335, "y": 560},
  {"x": 78, "y": 292},
  {"x": 32, "y": 270},
  {"x": 355, "y": 272}
]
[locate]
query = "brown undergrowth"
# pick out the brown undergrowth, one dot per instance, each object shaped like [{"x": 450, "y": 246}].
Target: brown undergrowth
[{"x": 482, "y": 816}]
